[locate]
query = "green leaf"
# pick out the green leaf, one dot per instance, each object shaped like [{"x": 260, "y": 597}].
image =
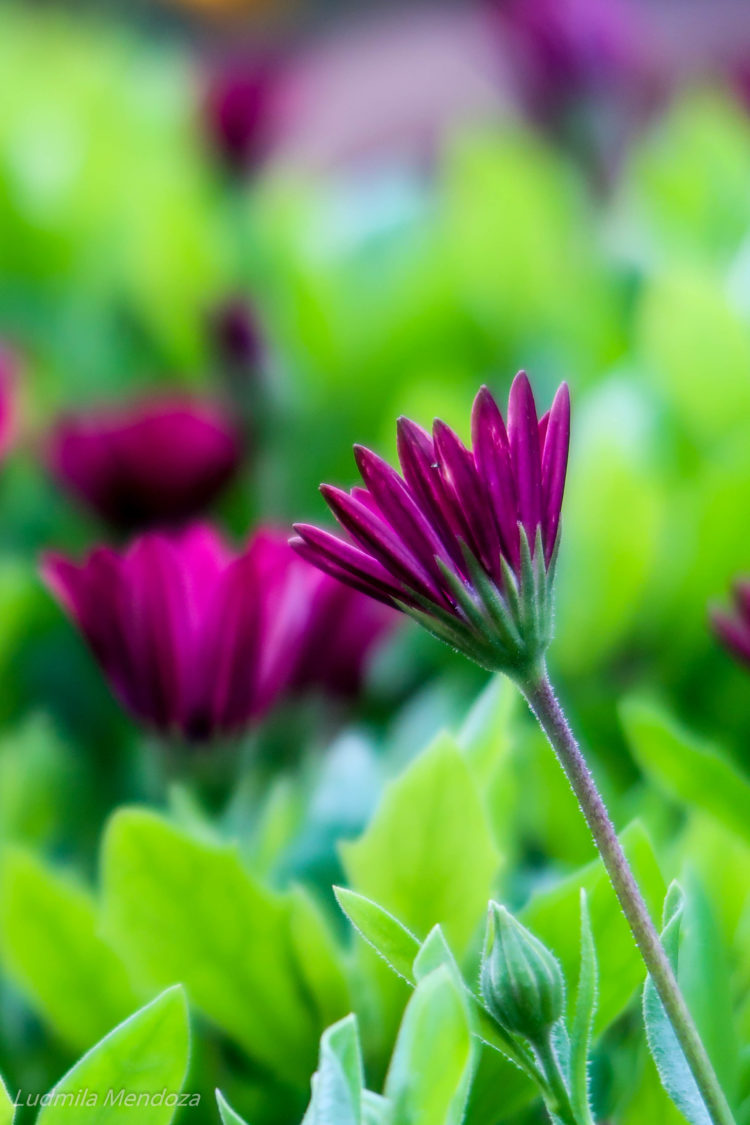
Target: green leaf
[
  {"x": 434, "y": 953},
  {"x": 145, "y": 1055},
  {"x": 583, "y": 1019},
  {"x": 428, "y": 1079},
  {"x": 685, "y": 768},
  {"x": 666, "y": 1051},
  {"x": 227, "y": 1114},
  {"x": 553, "y": 915},
  {"x": 35, "y": 778},
  {"x": 51, "y": 947},
  {"x": 337, "y": 1084},
  {"x": 387, "y": 936},
  {"x": 185, "y": 909},
  {"x": 7, "y": 1109},
  {"x": 428, "y": 855}
]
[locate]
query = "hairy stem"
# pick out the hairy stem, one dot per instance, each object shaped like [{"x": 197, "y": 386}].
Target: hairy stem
[
  {"x": 541, "y": 698},
  {"x": 561, "y": 1106}
]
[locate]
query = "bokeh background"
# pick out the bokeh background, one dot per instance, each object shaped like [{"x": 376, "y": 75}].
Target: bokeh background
[{"x": 430, "y": 197}]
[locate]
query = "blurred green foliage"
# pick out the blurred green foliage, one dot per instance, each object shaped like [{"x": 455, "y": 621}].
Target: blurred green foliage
[{"x": 396, "y": 292}]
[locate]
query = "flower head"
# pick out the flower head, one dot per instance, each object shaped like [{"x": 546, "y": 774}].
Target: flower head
[
  {"x": 464, "y": 541},
  {"x": 240, "y": 107},
  {"x": 152, "y": 463},
  {"x": 195, "y": 640},
  {"x": 198, "y": 640},
  {"x": 733, "y": 629}
]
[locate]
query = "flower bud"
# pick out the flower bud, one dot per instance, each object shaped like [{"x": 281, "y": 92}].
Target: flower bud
[{"x": 521, "y": 981}]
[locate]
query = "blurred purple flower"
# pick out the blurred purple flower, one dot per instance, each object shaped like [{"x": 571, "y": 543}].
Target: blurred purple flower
[
  {"x": 584, "y": 69},
  {"x": 236, "y": 336},
  {"x": 240, "y": 110},
  {"x": 8, "y": 400},
  {"x": 156, "y": 462},
  {"x": 733, "y": 629},
  {"x": 464, "y": 542},
  {"x": 196, "y": 640}
]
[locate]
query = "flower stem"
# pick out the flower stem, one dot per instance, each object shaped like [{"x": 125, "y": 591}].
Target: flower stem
[
  {"x": 541, "y": 698},
  {"x": 561, "y": 1106}
]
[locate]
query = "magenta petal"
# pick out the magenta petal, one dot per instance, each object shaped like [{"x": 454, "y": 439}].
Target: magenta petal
[
  {"x": 470, "y": 501},
  {"x": 554, "y": 467},
  {"x": 380, "y": 540},
  {"x": 155, "y": 621},
  {"x": 352, "y": 578},
  {"x": 492, "y": 457},
  {"x": 398, "y": 507},
  {"x": 523, "y": 435},
  {"x": 416, "y": 451},
  {"x": 345, "y": 556}
]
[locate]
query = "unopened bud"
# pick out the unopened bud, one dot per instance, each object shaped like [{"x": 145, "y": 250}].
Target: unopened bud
[{"x": 521, "y": 981}]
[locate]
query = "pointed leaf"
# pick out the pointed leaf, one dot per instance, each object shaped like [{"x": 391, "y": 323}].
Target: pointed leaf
[
  {"x": 666, "y": 1051},
  {"x": 387, "y": 936},
  {"x": 337, "y": 1090},
  {"x": 7, "y": 1109},
  {"x": 227, "y": 1114},
  {"x": 428, "y": 855},
  {"x": 429, "y": 1075},
  {"x": 583, "y": 1019},
  {"x": 145, "y": 1055},
  {"x": 51, "y": 947}
]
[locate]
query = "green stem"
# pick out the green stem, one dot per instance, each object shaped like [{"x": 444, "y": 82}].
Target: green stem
[
  {"x": 561, "y": 1106},
  {"x": 541, "y": 698}
]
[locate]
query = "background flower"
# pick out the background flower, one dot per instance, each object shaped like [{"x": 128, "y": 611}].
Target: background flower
[{"x": 154, "y": 462}]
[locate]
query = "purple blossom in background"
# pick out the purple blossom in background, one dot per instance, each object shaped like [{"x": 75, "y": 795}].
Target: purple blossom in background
[
  {"x": 240, "y": 110},
  {"x": 196, "y": 640},
  {"x": 463, "y": 541},
  {"x": 152, "y": 463},
  {"x": 733, "y": 629},
  {"x": 584, "y": 71},
  {"x": 8, "y": 400}
]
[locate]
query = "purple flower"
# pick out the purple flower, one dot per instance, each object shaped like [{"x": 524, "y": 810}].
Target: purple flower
[
  {"x": 343, "y": 628},
  {"x": 240, "y": 111},
  {"x": 8, "y": 400},
  {"x": 196, "y": 640},
  {"x": 465, "y": 542},
  {"x": 159, "y": 462},
  {"x": 733, "y": 630}
]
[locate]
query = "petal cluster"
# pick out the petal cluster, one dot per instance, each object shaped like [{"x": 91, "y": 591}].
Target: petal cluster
[
  {"x": 733, "y": 629},
  {"x": 198, "y": 640},
  {"x": 153, "y": 463},
  {"x": 463, "y": 540}
]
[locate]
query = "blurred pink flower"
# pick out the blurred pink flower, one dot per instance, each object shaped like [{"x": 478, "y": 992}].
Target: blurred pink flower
[
  {"x": 8, "y": 400},
  {"x": 198, "y": 641},
  {"x": 240, "y": 110},
  {"x": 733, "y": 629},
  {"x": 154, "y": 462}
]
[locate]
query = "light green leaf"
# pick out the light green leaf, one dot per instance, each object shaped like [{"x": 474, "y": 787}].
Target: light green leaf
[
  {"x": 145, "y": 1055},
  {"x": 227, "y": 1114},
  {"x": 185, "y": 909},
  {"x": 666, "y": 1051},
  {"x": 687, "y": 769},
  {"x": 433, "y": 953},
  {"x": 337, "y": 1085},
  {"x": 583, "y": 1019},
  {"x": 428, "y": 854},
  {"x": 51, "y": 947},
  {"x": 428, "y": 1079},
  {"x": 553, "y": 915},
  {"x": 7, "y": 1109},
  {"x": 387, "y": 936},
  {"x": 35, "y": 777}
]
